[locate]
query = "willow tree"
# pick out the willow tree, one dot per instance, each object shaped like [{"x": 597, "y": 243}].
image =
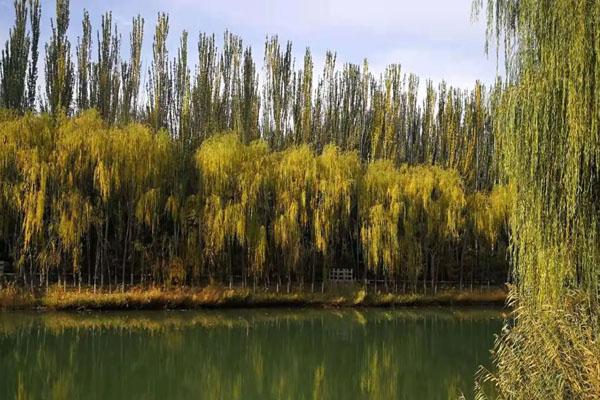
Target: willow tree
[
  {"x": 255, "y": 181},
  {"x": 140, "y": 165},
  {"x": 294, "y": 182},
  {"x": 336, "y": 186},
  {"x": 232, "y": 183},
  {"x": 72, "y": 207},
  {"x": 381, "y": 208},
  {"x": 32, "y": 140},
  {"x": 487, "y": 222},
  {"x": 445, "y": 211},
  {"x": 548, "y": 126},
  {"x": 9, "y": 177},
  {"x": 434, "y": 214}
]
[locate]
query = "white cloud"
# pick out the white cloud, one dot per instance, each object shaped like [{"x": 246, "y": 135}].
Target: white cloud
[
  {"x": 458, "y": 67},
  {"x": 432, "y": 38},
  {"x": 432, "y": 18}
]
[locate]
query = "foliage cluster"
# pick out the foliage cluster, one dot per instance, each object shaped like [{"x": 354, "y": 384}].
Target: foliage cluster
[
  {"x": 547, "y": 125},
  {"x": 107, "y": 205},
  {"x": 376, "y": 115}
]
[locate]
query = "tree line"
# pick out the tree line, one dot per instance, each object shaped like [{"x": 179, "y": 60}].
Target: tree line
[
  {"x": 223, "y": 170},
  {"x": 106, "y": 205},
  {"x": 377, "y": 115}
]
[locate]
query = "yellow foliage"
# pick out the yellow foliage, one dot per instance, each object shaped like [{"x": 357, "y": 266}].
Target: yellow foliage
[
  {"x": 337, "y": 175},
  {"x": 489, "y": 212},
  {"x": 68, "y": 183},
  {"x": 294, "y": 181},
  {"x": 233, "y": 180}
]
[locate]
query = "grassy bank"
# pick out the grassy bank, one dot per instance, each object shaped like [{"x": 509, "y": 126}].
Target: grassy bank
[{"x": 220, "y": 297}]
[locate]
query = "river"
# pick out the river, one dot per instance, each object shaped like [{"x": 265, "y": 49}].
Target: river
[{"x": 246, "y": 354}]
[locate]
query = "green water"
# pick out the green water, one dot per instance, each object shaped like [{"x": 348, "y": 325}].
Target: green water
[{"x": 245, "y": 354}]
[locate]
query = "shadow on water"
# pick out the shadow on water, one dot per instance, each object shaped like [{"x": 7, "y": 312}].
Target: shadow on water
[{"x": 245, "y": 354}]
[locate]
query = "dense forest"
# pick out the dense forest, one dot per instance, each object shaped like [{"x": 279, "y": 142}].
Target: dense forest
[{"x": 221, "y": 171}]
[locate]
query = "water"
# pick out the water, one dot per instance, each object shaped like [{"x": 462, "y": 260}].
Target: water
[{"x": 245, "y": 354}]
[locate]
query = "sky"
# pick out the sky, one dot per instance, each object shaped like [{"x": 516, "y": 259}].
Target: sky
[{"x": 435, "y": 39}]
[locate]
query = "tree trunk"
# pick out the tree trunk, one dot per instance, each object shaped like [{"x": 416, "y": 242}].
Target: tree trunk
[
  {"x": 323, "y": 277},
  {"x": 461, "y": 259},
  {"x": 278, "y": 282},
  {"x": 89, "y": 258},
  {"x": 96, "y": 264},
  {"x": 312, "y": 281},
  {"x": 476, "y": 261},
  {"x": 244, "y": 272},
  {"x": 432, "y": 270},
  {"x": 125, "y": 252},
  {"x": 230, "y": 257}
]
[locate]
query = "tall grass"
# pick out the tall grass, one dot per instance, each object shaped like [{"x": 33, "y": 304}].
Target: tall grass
[
  {"x": 56, "y": 298},
  {"x": 547, "y": 353}
]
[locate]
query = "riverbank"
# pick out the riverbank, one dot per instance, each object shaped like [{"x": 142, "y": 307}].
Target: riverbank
[{"x": 221, "y": 297}]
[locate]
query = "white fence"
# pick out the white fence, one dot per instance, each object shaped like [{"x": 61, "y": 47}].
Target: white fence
[{"x": 341, "y": 275}]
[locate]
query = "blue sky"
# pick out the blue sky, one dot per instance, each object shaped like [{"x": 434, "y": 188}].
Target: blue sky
[{"x": 435, "y": 39}]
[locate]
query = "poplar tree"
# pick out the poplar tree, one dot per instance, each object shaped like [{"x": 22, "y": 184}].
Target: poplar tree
[
  {"x": 205, "y": 90},
  {"x": 277, "y": 93},
  {"x": 105, "y": 75},
  {"x": 84, "y": 49},
  {"x": 304, "y": 128},
  {"x": 131, "y": 71},
  {"x": 35, "y": 12},
  {"x": 353, "y": 108},
  {"x": 181, "y": 93},
  {"x": 229, "y": 65},
  {"x": 159, "y": 77},
  {"x": 14, "y": 61},
  {"x": 59, "y": 66},
  {"x": 429, "y": 138},
  {"x": 329, "y": 102},
  {"x": 250, "y": 101}
]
